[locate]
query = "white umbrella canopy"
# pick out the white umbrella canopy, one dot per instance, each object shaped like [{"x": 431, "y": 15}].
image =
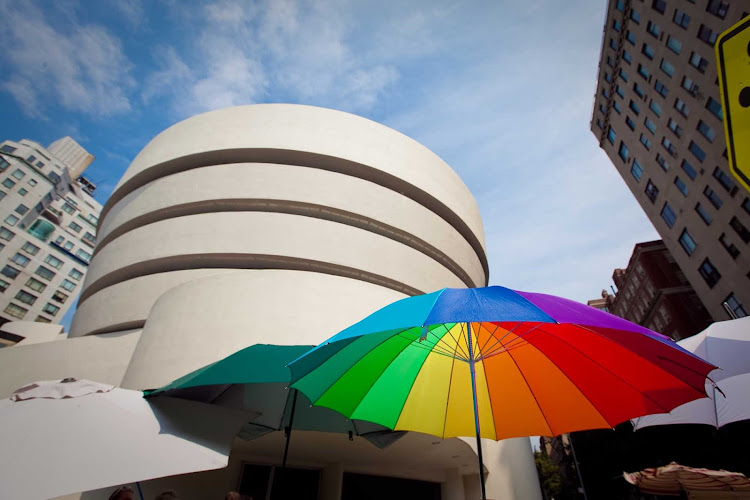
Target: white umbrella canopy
[
  {"x": 55, "y": 444},
  {"x": 725, "y": 344}
]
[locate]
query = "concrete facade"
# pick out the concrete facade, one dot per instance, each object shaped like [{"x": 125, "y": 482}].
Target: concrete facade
[
  {"x": 279, "y": 224},
  {"x": 657, "y": 115},
  {"x": 47, "y": 234}
]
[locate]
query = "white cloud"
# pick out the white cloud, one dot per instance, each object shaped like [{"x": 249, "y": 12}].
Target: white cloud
[{"x": 83, "y": 69}]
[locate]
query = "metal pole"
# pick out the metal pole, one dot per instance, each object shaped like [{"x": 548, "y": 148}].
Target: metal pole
[
  {"x": 289, "y": 429},
  {"x": 140, "y": 493},
  {"x": 476, "y": 410},
  {"x": 578, "y": 468}
]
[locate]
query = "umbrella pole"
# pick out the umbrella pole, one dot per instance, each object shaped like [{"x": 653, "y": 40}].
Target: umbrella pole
[
  {"x": 289, "y": 430},
  {"x": 476, "y": 410}
]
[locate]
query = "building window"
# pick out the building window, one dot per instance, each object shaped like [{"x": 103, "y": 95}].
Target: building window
[
  {"x": 635, "y": 16},
  {"x": 89, "y": 238},
  {"x": 651, "y": 191},
  {"x": 75, "y": 227},
  {"x": 30, "y": 248},
  {"x": 698, "y": 62},
  {"x": 6, "y": 234},
  {"x": 620, "y": 5},
  {"x": 689, "y": 85},
  {"x": 616, "y": 25},
  {"x": 22, "y": 192},
  {"x": 643, "y": 72},
  {"x": 668, "y": 215},
  {"x": 647, "y": 51},
  {"x": 667, "y": 144},
  {"x": 627, "y": 57},
  {"x": 645, "y": 141},
  {"x": 22, "y": 209},
  {"x": 675, "y": 127},
  {"x": 653, "y": 29},
  {"x": 697, "y": 151},
  {"x": 8, "y": 183},
  {"x": 75, "y": 274},
  {"x": 715, "y": 108},
  {"x": 681, "y": 186},
  {"x": 59, "y": 297},
  {"x": 32, "y": 182},
  {"x": 3, "y": 164},
  {"x": 20, "y": 259},
  {"x": 630, "y": 37},
  {"x": 623, "y": 75},
  {"x": 610, "y": 62},
  {"x": 741, "y": 230},
  {"x": 728, "y": 246},
  {"x": 681, "y": 19},
  {"x": 68, "y": 285},
  {"x": 630, "y": 123},
  {"x": 602, "y": 109},
  {"x": 706, "y": 131},
  {"x": 42, "y": 319},
  {"x": 725, "y": 180},
  {"x": 10, "y": 271},
  {"x": 67, "y": 207},
  {"x": 636, "y": 170},
  {"x": 659, "y": 6},
  {"x": 599, "y": 124},
  {"x": 633, "y": 106},
  {"x": 667, "y": 67},
  {"x": 45, "y": 273},
  {"x": 710, "y": 273},
  {"x": 654, "y": 106},
  {"x": 661, "y": 88},
  {"x": 608, "y": 77},
  {"x": 16, "y": 311},
  {"x": 35, "y": 285},
  {"x": 689, "y": 170},
  {"x": 623, "y": 152},
  {"x": 651, "y": 126},
  {"x": 662, "y": 162},
  {"x": 674, "y": 44},
  {"x": 735, "y": 306},
  {"x": 713, "y": 197},
  {"x": 53, "y": 261},
  {"x": 18, "y": 174},
  {"x": 2, "y": 195},
  {"x": 746, "y": 205},
  {"x": 619, "y": 91},
  {"x": 54, "y": 177},
  {"x": 718, "y": 8},
  {"x": 707, "y": 35},
  {"x": 687, "y": 242},
  {"x": 84, "y": 255},
  {"x": 611, "y": 136},
  {"x": 11, "y": 220},
  {"x": 681, "y": 107},
  {"x": 25, "y": 297},
  {"x": 3, "y": 286},
  {"x": 50, "y": 309},
  {"x": 638, "y": 90},
  {"x": 703, "y": 213},
  {"x": 613, "y": 44},
  {"x": 7, "y": 148}
]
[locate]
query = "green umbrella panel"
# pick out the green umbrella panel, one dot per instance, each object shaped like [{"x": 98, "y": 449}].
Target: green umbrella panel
[{"x": 257, "y": 378}]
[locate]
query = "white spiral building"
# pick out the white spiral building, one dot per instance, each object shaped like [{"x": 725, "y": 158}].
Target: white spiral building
[{"x": 284, "y": 224}]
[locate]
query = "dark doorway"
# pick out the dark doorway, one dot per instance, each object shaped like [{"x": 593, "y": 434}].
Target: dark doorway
[
  {"x": 364, "y": 487},
  {"x": 299, "y": 484}
]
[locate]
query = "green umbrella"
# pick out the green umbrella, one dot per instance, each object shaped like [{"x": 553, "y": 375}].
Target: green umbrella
[{"x": 257, "y": 378}]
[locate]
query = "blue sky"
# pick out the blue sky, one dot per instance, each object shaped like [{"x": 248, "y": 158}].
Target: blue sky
[{"x": 502, "y": 91}]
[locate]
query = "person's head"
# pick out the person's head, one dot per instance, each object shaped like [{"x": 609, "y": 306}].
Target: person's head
[
  {"x": 122, "y": 493},
  {"x": 232, "y": 495},
  {"x": 167, "y": 495}
]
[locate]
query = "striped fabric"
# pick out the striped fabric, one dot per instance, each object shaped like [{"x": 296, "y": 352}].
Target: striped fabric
[{"x": 673, "y": 478}]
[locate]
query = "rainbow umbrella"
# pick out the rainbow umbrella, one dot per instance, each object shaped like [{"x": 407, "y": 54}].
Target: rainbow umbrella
[{"x": 497, "y": 363}]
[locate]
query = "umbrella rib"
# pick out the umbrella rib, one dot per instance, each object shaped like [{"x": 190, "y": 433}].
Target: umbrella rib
[
  {"x": 433, "y": 348},
  {"x": 648, "y": 361},
  {"x": 602, "y": 367},
  {"x": 489, "y": 396},
  {"x": 536, "y": 400},
  {"x": 510, "y": 345},
  {"x": 448, "y": 397},
  {"x": 500, "y": 340},
  {"x": 448, "y": 347},
  {"x": 492, "y": 336},
  {"x": 458, "y": 344}
]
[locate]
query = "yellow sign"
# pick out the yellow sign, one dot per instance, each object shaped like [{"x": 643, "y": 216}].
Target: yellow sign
[{"x": 733, "y": 59}]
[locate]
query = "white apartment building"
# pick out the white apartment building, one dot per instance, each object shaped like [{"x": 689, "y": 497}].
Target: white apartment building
[
  {"x": 72, "y": 154},
  {"x": 47, "y": 235}
]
